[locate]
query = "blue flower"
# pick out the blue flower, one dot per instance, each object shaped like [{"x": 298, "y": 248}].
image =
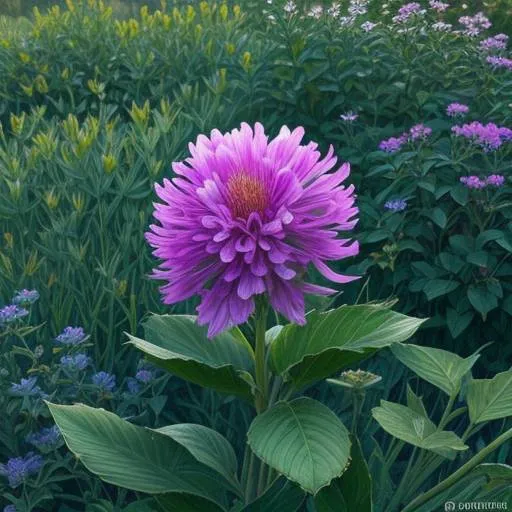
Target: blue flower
[
  {"x": 75, "y": 363},
  {"x": 9, "y": 508},
  {"x": 11, "y": 313},
  {"x": 144, "y": 376},
  {"x": 132, "y": 385},
  {"x": 46, "y": 439},
  {"x": 397, "y": 205},
  {"x": 105, "y": 381},
  {"x": 18, "y": 469},
  {"x": 71, "y": 336},
  {"x": 27, "y": 387},
  {"x": 25, "y": 296}
]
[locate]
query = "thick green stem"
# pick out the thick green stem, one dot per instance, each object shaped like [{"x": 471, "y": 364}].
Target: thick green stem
[
  {"x": 460, "y": 473},
  {"x": 261, "y": 369}
]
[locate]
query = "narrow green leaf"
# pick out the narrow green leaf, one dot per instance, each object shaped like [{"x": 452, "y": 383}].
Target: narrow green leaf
[
  {"x": 303, "y": 440},
  {"x": 443, "y": 369},
  {"x": 283, "y": 495}
]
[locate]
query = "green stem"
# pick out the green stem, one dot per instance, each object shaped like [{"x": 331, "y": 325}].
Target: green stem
[
  {"x": 261, "y": 370},
  {"x": 447, "y": 411},
  {"x": 460, "y": 473}
]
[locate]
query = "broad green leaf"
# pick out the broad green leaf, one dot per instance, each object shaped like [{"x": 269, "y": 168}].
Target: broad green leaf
[
  {"x": 443, "y": 369},
  {"x": 490, "y": 399},
  {"x": 413, "y": 428},
  {"x": 458, "y": 322},
  {"x": 438, "y": 287},
  {"x": 303, "y": 440},
  {"x": 179, "y": 345},
  {"x": 208, "y": 447},
  {"x": 283, "y": 495},
  {"x": 415, "y": 402},
  {"x": 482, "y": 299},
  {"x": 185, "y": 503},
  {"x": 133, "y": 457},
  {"x": 352, "y": 491},
  {"x": 335, "y": 339}
]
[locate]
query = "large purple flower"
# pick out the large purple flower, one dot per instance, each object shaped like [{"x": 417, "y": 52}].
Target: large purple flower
[{"x": 246, "y": 216}]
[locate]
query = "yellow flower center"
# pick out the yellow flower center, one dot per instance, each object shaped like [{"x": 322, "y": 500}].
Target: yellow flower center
[{"x": 247, "y": 194}]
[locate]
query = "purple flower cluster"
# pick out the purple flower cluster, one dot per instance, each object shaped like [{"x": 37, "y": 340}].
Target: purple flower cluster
[
  {"x": 25, "y": 297},
  {"x": 133, "y": 385},
  {"x": 457, "y": 110},
  {"x": 420, "y": 131},
  {"x": 71, "y": 336},
  {"x": 477, "y": 183},
  {"x": 500, "y": 62},
  {"x": 408, "y": 10},
  {"x": 46, "y": 439},
  {"x": 396, "y": 205},
  {"x": 497, "y": 42},
  {"x": 9, "y": 508},
  {"x": 489, "y": 136},
  {"x": 27, "y": 387},
  {"x": 144, "y": 375},
  {"x": 475, "y": 24},
  {"x": 438, "y": 6},
  {"x": 394, "y": 144},
  {"x": 18, "y": 469},
  {"x": 105, "y": 381},
  {"x": 74, "y": 363},
  {"x": 11, "y": 313},
  {"x": 368, "y": 26}
]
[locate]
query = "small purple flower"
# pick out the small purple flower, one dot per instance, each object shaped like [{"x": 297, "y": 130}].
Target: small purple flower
[
  {"x": 368, "y": 26},
  {"x": 474, "y": 24},
  {"x": 132, "y": 385},
  {"x": 396, "y": 205},
  {"x": 457, "y": 109},
  {"x": 46, "y": 439},
  {"x": 497, "y": 42},
  {"x": 71, "y": 336},
  {"x": 489, "y": 136},
  {"x": 349, "y": 116},
  {"x": 25, "y": 297},
  {"x": 105, "y": 381},
  {"x": 11, "y": 313},
  {"x": 27, "y": 387},
  {"x": 500, "y": 62},
  {"x": 408, "y": 10},
  {"x": 144, "y": 376},
  {"x": 495, "y": 180},
  {"x": 9, "y": 508},
  {"x": 441, "y": 26},
  {"x": 420, "y": 131},
  {"x": 438, "y": 6},
  {"x": 18, "y": 469},
  {"x": 473, "y": 182},
  {"x": 75, "y": 362},
  {"x": 393, "y": 144}
]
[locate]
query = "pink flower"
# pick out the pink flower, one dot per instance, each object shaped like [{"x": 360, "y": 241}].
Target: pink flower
[{"x": 246, "y": 216}]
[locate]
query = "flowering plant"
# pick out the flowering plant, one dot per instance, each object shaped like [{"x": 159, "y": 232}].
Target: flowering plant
[{"x": 241, "y": 224}]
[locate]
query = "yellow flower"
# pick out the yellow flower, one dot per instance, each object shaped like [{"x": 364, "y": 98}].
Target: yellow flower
[
  {"x": 41, "y": 84},
  {"x": 109, "y": 163},
  {"x": 24, "y": 57}
]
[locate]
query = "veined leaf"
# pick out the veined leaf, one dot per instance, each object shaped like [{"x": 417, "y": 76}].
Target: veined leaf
[
  {"x": 178, "y": 344},
  {"x": 490, "y": 399},
  {"x": 443, "y": 369},
  {"x": 134, "y": 457},
  {"x": 302, "y": 439},
  {"x": 335, "y": 339},
  {"x": 416, "y": 429}
]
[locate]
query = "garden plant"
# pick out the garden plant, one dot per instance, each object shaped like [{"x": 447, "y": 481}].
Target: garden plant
[{"x": 255, "y": 256}]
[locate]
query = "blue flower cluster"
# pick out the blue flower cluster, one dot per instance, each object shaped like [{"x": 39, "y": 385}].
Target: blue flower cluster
[
  {"x": 71, "y": 336},
  {"x": 18, "y": 469},
  {"x": 74, "y": 363},
  {"x": 46, "y": 439},
  {"x": 105, "y": 381},
  {"x": 397, "y": 205},
  {"x": 16, "y": 310},
  {"x": 27, "y": 387}
]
